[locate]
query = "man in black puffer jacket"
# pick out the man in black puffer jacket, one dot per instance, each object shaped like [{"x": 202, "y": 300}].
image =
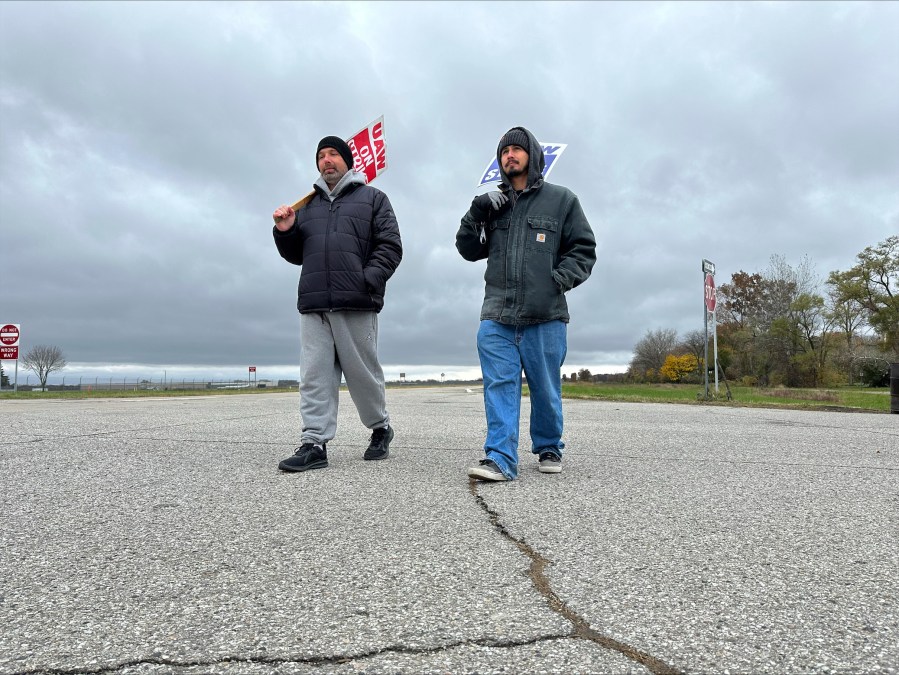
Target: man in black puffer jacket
[{"x": 348, "y": 243}]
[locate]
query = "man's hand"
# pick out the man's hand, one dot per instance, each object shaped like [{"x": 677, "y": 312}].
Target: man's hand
[
  {"x": 284, "y": 217},
  {"x": 482, "y": 205}
]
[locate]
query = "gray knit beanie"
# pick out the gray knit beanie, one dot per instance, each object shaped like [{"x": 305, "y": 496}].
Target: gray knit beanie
[{"x": 515, "y": 136}]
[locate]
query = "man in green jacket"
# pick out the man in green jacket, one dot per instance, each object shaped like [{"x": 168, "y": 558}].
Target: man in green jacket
[{"x": 538, "y": 245}]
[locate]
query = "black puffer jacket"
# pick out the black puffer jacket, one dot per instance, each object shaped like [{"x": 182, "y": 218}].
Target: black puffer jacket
[{"x": 348, "y": 248}]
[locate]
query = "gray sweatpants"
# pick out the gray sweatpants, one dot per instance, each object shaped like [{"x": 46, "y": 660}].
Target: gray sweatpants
[{"x": 335, "y": 343}]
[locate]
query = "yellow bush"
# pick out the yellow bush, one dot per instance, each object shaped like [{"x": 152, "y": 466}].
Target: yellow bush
[{"x": 676, "y": 367}]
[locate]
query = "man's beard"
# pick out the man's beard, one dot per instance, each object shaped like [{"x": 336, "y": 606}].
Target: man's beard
[
  {"x": 333, "y": 179},
  {"x": 516, "y": 170}
]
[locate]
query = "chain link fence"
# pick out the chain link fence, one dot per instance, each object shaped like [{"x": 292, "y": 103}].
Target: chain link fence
[{"x": 124, "y": 384}]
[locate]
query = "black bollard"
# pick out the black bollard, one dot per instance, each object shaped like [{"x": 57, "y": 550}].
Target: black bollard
[{"x": 894, "y": 388}]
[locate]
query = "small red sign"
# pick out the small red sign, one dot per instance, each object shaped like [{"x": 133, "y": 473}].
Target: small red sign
[
  {"x": 9, "y": 334},
  {"x": 9, "y": 353},
  {"x": 252, "y": 369}
]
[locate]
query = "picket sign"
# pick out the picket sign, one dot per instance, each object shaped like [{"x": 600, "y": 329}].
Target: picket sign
[
  {"x": 551, "y": 152},
  {"x": 369, "y": 147}
]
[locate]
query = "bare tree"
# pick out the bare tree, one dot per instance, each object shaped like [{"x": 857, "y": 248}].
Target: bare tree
[
  {"x": 694, "y": 343},
  {"x": 650, "y": 352},
  {"x": 43, "y": 360}
]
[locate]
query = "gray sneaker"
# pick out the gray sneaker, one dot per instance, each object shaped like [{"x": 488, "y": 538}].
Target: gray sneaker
[
  {"x": 550, "y": 462},
  {"x": 486, "y": 470}
]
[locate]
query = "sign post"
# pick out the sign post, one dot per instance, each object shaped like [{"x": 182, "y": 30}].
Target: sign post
[
  {"x": 710, "y": 302},
  {"x": 253, "y": 373},
  {"x": 9, "y": 348}
]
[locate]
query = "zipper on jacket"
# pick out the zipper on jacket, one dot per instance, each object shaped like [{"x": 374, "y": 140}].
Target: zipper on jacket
[
  {"x": 521, "y": 239},
  {"x": 328, "y": 253}
]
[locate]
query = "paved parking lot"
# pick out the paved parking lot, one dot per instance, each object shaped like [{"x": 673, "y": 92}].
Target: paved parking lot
[{"x": 157, "y": 536}]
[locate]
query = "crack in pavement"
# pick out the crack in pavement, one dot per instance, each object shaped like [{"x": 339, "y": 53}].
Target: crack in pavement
[
  {"x": 281, "y": 660},
  {"x": 581, "y": 627}
]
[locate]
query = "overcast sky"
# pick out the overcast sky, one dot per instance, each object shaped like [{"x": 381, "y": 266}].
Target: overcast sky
[{"x": 145, "y": 146}]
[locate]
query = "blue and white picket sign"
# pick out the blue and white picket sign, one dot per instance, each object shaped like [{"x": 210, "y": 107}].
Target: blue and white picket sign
[{"x": 551, "y": 152}]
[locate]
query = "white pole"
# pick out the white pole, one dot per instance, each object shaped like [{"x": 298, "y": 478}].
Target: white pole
[
  {"x": 705, "y": 317},
  {"x": 715, "y": 342}
]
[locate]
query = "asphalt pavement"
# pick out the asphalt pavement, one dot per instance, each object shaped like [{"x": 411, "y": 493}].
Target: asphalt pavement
[{"x": 148, "y": 536}]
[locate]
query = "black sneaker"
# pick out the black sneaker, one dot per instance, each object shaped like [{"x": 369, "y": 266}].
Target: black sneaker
[
  {"x": 550, "y": 462},
  {"x": 308, "y": 456},
  {"x": 487, "y": 470},
  {"x": 379, "y": 447}
]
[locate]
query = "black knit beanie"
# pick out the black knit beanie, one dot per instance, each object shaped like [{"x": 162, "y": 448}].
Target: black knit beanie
[
  {"x": 514, "y": 136},
  {"x": 340, "y": 146}
]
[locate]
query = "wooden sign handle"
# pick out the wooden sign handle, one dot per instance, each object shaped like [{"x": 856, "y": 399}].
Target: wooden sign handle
[{"x": 305, "y": 200}]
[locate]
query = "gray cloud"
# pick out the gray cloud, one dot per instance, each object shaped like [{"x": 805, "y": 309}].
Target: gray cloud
[{"x": 144, "y": 146}]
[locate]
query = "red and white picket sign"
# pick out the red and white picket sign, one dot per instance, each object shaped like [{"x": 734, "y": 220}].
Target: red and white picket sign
[
  {"x": 370, "y": 150},
  {"x": 369, "y": 147}
]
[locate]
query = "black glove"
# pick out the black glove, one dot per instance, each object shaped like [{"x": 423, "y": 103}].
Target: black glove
[{"x": 482, "y": 205}]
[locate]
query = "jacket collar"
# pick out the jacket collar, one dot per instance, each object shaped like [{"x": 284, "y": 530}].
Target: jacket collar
[{"x": 345, "y": 184}]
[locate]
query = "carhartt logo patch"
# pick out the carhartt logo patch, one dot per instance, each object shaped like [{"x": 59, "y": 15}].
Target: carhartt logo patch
[{"x": 541, "y": 237}]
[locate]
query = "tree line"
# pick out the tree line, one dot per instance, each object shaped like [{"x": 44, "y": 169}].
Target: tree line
[
  {"x": 786, "y": 326},
  {"x": 782, "y": 326}
]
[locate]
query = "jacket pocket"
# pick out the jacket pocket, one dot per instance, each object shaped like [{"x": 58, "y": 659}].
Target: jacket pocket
[
  {"x": 499, "y": 227},
  {"x": 497, "y": 243},
  {"x": 543, "y": 232}
]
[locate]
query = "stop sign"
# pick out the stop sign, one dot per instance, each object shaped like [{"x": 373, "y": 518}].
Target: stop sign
[
  {"x": 711, "y": 300},
  {"x": 9, "y": 334}
]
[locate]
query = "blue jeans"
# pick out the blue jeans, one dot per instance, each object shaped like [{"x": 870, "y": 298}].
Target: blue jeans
[{"x": 504, "y": 351}]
